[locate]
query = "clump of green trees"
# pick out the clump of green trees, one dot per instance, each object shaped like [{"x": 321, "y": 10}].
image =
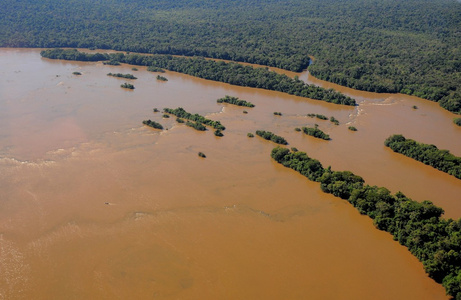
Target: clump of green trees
[
  {"x": 181, "y": 113},
  {"x": 334, "y": 120},
  {"x": 235, "y": 101},
  {"x": 271, "y": 137},
  {"x": 277, "y": 113},
  {"x": 435, "y": 241},
  {"x": 218, "y": 133},
  {"x": 120, "y": 75},
  {"x": 430, "y": 155},
  {"x": 162, "y": 78},
  {"x": 127, "y": 86},
  {"x": 457, "y": 121},
  {"x": 316, "y": 132},
  {"x": 152, "y": 124},
  {"x": 250, "y": 135},
  {"x": 76, "y": 73},
  {"x": 231, "y": 73},
  {"x": 352, "y": 128},
  {"x": 201, "y": 154},
  {"x": 196, "y": 125}
]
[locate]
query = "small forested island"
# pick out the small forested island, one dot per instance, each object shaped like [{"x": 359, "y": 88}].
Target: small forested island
[
  {"x": 316, "y": 132},
  {"x": 161, "y": 78},
  {"x": 235, "y": 101},
  {"x": 232, "y": 73},
  {"x": 218, "y": 133},
  {"x": 127, "y": 86},
  {"x": 277, "y": 113},
  {"x": 76, "y": 73},
  {"x": 120, "y": 75},
  {"x": 318, "y": 116},
  {"x": 181, "y": 113},
  {"x": 250, "y": 135},
  {"x": 430, "y": 155},
  {"x": 457, "y": 121},
  {"x": 352, "y": 128},
  {"x": 271, "y": 137},
  {"x": 152, "y": 124},
  {"x": 334, "y": 120},
  {"x": 435, "y": 241},
  {"x": 201, "y": 154}
]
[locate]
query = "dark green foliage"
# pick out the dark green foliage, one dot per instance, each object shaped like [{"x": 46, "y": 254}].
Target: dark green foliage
[
  {"x": 352, "y": 128},
  {"x": 161, "y": 78},
  {"x": 181, "y": 113},
  {"x": 415, "y": 107},
  {"x": 134, "y": 69},
  {"x": 430, "y": 155},
  {"x": 271, "y": 137},
  {"x": 294, "y": 149},
  {"x": 231, "y": 73},
  {"x": 155, "y": 110},
  {"x": 457, "y": 121},
  {"x": 297, "y": 129},
  {"x": 196, "y": 125},
  {"x": 155, "y": 69},
  {"x": 218, "y": 132},
  {"x": 334, "y": 120},
  {"x": 152, "y": 124},
  {"x": 76, "y": 73},
  {"x": 277, "y": 113},
  {"x": 179, "y": 120},
  {"x": 435, "y": 241},
  {"x": 235, "y": 101},
  {"x": 201, "y": 154},
  {"x": 120, "y": 75},
  {"x": 127, "y": 86},
  {"x": 250, "y": 135},
  {"x": 245, "y": 112},
  {"x": 166, "y": 116},
  {"x": 318, "y": 116},
  {"x": 316, "y": 132}
]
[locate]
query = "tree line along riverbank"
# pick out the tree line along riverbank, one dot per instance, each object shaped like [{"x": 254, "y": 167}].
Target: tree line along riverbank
[
  {"x": 435, "y": 241},
  {"x": 232, "y": 73}
]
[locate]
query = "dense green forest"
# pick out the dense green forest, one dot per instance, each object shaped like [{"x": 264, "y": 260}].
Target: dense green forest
[
  {"x": 231, "y": 73},
  {"x": 435, "y": 241},
  {"x": 442, "y": 160},
  {"x": 412, "y": 46}
]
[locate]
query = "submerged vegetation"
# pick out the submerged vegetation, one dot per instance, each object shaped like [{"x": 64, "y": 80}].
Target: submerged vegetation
[
  {"x": 352, "y": 128},
  {"x": 127, "y": 86},
  {"x": 120, "y": 75},
  {"x": 152, "y": 124},
  {"x": 430, "y": 155},
  {"x": 316, "y": 132},
  {"x": 235, "y": 101},
  {"x": 457, "y": 121},
  {"x": 76, "y": 73},
  {"x": 162, "y": 78},
  {"x": 271, "y": 137},
  {"x": 435, "y": 241},
  {"x": 231, "y": 73}
]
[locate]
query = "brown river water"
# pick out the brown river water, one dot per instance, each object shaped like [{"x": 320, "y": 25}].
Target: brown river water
[{"x": 235, "y": 225}]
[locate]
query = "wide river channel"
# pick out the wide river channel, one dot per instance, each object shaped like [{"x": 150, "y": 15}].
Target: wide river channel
[{"x": 94, "y": 205}]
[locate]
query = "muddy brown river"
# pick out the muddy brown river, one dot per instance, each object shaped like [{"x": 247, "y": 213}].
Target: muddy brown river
[{"x": 93, "y": 205}]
